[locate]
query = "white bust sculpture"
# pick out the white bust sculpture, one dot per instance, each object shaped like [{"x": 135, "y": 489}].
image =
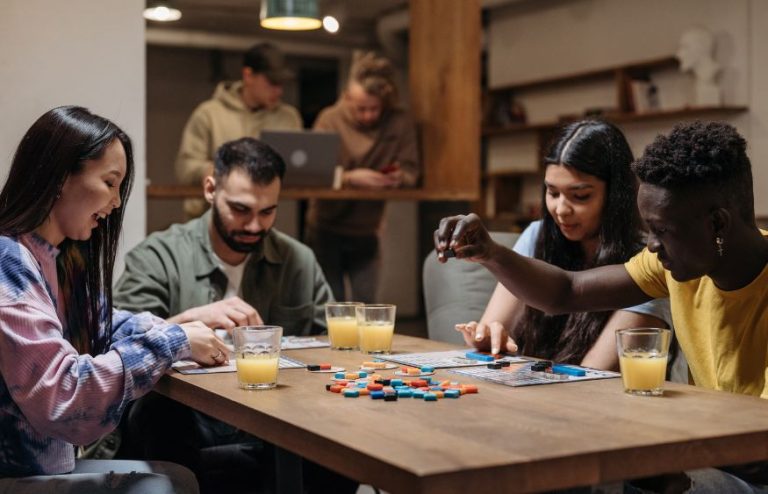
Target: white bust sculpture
[{"x": 695, "y": 54}]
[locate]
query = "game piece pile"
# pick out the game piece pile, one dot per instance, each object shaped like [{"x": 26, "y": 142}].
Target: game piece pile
[
  {"x": 356, "y": 384},
  {"x": 498, "y": 365}
]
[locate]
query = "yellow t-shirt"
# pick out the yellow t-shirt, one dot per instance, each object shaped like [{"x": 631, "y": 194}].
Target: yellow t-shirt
[{"x": 723, "y": 334}]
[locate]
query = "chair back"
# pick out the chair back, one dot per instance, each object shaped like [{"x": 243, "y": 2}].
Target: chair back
[{"x": 457, "y": 292}]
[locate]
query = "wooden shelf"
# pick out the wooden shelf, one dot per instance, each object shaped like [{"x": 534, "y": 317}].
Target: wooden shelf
[
  {"x": 515, "y": 128},
  {"x": 512, "y": 173},
  {"x": 506, "y": 190},
  {"x": 176, "y": 192},
  {"x": 687, "y": 112},
  {"x": 674, "y": 113},
  {"x": 642, "y": 65}
]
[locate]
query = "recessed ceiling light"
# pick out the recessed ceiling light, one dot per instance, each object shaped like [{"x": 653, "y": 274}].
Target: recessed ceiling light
[
  {"x": 330, "y": 24},
  {"x": 161, "y": 12}
]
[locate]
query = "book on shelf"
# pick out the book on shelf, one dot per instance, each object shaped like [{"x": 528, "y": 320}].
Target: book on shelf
[{"x": 643, "y": 96}]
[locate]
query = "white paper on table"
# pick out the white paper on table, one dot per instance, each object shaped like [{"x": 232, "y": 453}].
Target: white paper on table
[
  {"x": 190, "y": 367},
  {"x": 286, "y": 343}
]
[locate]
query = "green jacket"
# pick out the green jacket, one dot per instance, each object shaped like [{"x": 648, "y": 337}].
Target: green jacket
[{"x": 174, "y": 270}]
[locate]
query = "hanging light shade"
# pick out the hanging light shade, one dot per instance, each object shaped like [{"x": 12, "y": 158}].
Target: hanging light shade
[
  {"x": 161, "y": 11},
  {"x": 290, "y": 15}
]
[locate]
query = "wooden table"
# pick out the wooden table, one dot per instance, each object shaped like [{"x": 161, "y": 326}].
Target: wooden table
[{"x": 503, "y": 439}]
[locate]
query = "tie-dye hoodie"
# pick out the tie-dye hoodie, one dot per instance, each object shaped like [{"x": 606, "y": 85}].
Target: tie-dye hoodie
[{"x": 51, "y": 397}]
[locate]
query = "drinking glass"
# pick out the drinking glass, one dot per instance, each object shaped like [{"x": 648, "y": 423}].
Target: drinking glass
[
  {"x": 257, "y": 355},
  {"x": 342, "y": 325},
  {"x": 376, "y": 323},
  {"x": 643, "y": 356}
]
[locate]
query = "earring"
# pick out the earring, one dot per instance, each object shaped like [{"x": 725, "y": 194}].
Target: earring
[{"x": 719, "y": 243}]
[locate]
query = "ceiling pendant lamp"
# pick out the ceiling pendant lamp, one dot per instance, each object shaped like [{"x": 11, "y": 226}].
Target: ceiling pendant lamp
[
  {"x": 290, "y": 15},
  {"x": 161, "y": 11}
]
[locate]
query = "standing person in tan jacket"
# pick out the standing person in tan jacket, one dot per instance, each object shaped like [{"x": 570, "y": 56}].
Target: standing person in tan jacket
[
  {"x": 237, "y": 109},
  {"x": 379, "y": 151}
]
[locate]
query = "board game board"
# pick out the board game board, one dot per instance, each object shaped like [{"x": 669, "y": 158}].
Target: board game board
[
  {"x": 442, "y": 360},
  {"x": 521, "y": 375}
]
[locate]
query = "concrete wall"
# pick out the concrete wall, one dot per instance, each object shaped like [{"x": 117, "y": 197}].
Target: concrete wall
[
  {"x": 75, "y": 52},
  {"x": 544, "y": 39}
]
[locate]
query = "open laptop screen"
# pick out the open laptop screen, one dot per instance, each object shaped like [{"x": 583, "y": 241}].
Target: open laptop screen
[{"x": 310, "y": 156}]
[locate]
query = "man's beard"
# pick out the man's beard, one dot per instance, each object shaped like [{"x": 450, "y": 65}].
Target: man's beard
[{"x": 229, "y": 238}]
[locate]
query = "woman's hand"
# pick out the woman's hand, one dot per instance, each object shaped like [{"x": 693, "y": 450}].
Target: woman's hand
[
  {"x": 207, "y": 348},
  {"x": 490, "y": 337},
  {"x": 463, "y": 237}
]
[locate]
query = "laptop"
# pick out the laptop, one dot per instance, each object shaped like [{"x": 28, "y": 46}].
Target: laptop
[{"x": 310, "y": 156}]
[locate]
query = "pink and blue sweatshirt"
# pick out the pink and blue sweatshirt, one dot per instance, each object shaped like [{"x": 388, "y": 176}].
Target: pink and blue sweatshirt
[{"x": 51, "y": 397}]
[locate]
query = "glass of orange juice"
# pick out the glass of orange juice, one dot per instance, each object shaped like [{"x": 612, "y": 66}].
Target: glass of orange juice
[
  {"x": 342, "y": 325},
  {"x": 257, "y": 355},
  {"x": 376, "y": 324},
  {"x": 643, "y": 356}
]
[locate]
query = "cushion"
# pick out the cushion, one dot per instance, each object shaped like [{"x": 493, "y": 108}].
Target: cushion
[{"x": 457, "y": 292}]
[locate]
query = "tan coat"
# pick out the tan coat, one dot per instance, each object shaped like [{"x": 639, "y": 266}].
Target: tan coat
[
  {"x": 392, "y": 141},
  {"x": 220, "y": 119}
]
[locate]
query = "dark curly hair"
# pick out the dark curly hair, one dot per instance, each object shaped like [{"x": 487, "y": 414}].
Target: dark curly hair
[
  {"x": 710, "y": 154},
  {"x": 599, "y": 149}
]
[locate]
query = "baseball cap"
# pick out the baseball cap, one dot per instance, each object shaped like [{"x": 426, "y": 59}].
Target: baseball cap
[{"x": 266, "y": 59}]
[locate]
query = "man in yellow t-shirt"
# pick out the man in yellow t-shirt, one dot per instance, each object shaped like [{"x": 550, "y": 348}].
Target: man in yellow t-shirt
[
  {"x": 704, "y": 251},
  {"x": 723, "y": 333}
]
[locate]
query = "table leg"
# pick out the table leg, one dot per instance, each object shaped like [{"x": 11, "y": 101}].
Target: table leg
[{"x": 288, "y": 472}]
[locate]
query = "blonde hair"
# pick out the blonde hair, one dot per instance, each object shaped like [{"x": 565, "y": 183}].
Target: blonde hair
[{"x": 376, "y": 76}]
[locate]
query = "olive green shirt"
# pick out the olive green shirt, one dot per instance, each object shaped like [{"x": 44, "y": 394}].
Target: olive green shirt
[{"x": 174, "y": 270}]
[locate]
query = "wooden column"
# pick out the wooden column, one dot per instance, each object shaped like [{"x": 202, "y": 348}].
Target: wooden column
[{"x": 444, "y": 67}]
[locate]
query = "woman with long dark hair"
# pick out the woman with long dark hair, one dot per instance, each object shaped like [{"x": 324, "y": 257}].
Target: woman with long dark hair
[
  {"x": 590, "y": 219},
  {"x": 69, "y": 364}
]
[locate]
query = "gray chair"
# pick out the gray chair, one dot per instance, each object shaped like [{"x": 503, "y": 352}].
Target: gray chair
[{"x": 457, "y": 292}]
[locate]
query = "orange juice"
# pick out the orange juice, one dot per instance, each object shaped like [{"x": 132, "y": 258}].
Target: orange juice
[
  {"x": 643, "y": 372},
  {"x": 342, "y": 331},
  {"x": 376, "y": 337},
  {"x": 257, "y": 371}
]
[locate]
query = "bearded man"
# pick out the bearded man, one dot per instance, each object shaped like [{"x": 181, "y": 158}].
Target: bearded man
[
  {"x": 227, "y": 268},
  {"x": 230, "y": 267}
]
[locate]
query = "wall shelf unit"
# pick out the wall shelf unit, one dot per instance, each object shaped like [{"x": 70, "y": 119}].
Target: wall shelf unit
[
  {"x": 620, "y": 117},
  {"x": 513, "y": 150}
]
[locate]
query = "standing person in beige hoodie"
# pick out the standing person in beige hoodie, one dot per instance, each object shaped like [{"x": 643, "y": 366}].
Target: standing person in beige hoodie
[{"x": 237, "y": 109}]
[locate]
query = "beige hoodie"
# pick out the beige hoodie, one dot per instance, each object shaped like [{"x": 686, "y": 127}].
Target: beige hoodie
[{"x": 220, "y": 119}]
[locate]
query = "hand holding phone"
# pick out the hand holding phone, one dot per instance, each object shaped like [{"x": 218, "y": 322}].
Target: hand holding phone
[{"x": 391, "y": 168}]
